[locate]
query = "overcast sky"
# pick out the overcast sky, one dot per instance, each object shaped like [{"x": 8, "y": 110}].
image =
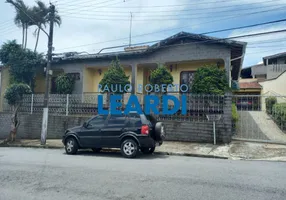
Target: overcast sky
[{"x": 91, "y": 25}]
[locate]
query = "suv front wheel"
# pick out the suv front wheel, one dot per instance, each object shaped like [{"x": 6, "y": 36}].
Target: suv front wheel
[
  {"x": 129, "y": 148},
  {"x": 71, "y": 146}
]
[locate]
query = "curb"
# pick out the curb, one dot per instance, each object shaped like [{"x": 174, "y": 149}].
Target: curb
[
  {"x": 191, "y": 155},
  {"x": 115, "y": 150},
  {"x": 31, "y": 146}
]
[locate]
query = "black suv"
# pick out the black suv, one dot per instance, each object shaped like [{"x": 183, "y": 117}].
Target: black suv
[{"x": 130, "y": 133}]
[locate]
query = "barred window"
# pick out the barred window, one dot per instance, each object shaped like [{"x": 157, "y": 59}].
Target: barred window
[{"x": 187, "y": 77}]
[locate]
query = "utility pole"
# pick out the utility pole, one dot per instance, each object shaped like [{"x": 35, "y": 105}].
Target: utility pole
[
  {"x": 46, "y": 98},
  {"x": 130, "y": 29}
]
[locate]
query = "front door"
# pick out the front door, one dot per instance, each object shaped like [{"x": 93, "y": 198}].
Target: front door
[
  {"x": 110, "y": 134},
  {"x": 90, "y": 136}
]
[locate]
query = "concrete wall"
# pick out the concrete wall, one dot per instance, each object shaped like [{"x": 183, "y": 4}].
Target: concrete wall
[
  {"x": 273, "y": 71},
  {"x": 30, "y": 128},
  {"x": 194, "y": 131},
  {"x": 275, "y": 85}
]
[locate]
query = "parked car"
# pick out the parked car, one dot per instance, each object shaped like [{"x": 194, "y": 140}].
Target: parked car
[{"x": 131, "y": 133}]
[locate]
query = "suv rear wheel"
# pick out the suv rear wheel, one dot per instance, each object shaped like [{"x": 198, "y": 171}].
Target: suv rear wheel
[
  {"x": 148, "y": 150},
  {"x": 159, "y": 131},
  {"x": 129, "y": 148},
  {"x": 71, "y": 146}
]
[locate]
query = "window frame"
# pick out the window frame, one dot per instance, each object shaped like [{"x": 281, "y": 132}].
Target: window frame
[
  {"x": 89, "y": 122},
  {"x": 189, "y": 71}
]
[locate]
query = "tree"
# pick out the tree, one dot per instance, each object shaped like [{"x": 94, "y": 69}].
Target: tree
[
  {"x": 161, "y": 76},
  {"x": 22, "y": 63},
  {"x": 210, "y": 80},
  {"x": 14, "y": 96},
  {"x": 115, "y": 76},
  {"x": 40, "y": 14},
  {"x": 64, "y": 84},
  {"x": 21, "y": 19},
  {"x": 36, "y": 16}
]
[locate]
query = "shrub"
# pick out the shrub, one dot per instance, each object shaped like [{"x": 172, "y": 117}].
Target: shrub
[
  {"x": 270, "y": 101},
  {"x": 210, "y": 80},
  {"x": 14, "y": 94},
  {"x": 161, "y": 76},
  {"x": 64, "y": 84},
  {"x": 279, "y": 114},
  {"x": 234, "y": 116},
  {"x": 234, "y": 113},
  {"x": 115, "y": 76}
]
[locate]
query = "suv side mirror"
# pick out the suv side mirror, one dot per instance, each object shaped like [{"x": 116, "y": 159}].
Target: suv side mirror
[{"x": 85, "y": 125}]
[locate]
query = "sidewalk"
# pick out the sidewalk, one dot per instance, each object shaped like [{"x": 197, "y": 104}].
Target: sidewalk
[{"x": 236, "y": 150}]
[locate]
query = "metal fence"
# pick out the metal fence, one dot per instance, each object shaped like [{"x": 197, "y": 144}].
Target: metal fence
[
  {"x": 260, "y": 118},
  {"x": 197, "y": 106}
]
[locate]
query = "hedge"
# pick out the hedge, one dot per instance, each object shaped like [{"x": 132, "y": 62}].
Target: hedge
[
  {"x": 234, "y": 115},
  {"x": 270, "y": 101},
  {"x": 279, "y": 114}
]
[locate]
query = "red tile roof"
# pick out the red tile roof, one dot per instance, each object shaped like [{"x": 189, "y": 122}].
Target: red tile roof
[{"x": 249, "y": 85}]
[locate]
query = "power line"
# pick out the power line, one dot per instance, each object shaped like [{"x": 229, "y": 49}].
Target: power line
[
  {"x": 186, "y": 10},
  {"x": 162, "y": 19},
  {"x": 235, "y": 28},
  {"x": 90, "y": 5},
  {"x": 231, "y": 16},
  {"x": 175, "y": 15},
  {"x": 164, "y": 6},
  {"x": 265, "y": 51},
  {"x": 209, "y": 41}
]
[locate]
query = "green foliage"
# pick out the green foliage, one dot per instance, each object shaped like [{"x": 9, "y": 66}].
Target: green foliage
[
  {"x": 210, "y": 80},
  {"x": 161, "y": 76},
  {"x": 14, "y": 94},
  {"x": 115, "y": 76},
  {"x": 234, "y": 113},
  {"x": 279, "y": 114},
  {"x": 64, "y": 84},
  {"x": 22, "y": 63},
  {"x": 270, "y": 101}
]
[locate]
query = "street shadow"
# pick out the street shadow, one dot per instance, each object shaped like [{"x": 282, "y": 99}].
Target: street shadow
[{"x": 117, "y": 154}]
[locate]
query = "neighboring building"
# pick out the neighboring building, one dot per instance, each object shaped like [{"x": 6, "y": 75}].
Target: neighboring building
[
  {"x": 275, "y": 86},
  {"x": 276, "y": 65},
  {"x": 271, "y": 67},
  {"x": 182, "y": 53},
  {"x": 249, "y": 87}
]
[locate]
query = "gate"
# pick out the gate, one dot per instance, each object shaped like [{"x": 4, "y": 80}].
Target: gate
[{"x": 259, "y": 118}]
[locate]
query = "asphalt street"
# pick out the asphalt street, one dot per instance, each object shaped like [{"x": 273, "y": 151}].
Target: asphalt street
[{"x": 45, "y": 174}]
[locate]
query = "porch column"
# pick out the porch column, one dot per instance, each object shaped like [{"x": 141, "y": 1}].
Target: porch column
[
  {"x": 133, "y": 78},
  {"x": 227, "y": 65}
]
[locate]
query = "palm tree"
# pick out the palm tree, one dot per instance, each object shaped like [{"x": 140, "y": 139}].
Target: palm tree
[
  {"x": 21, "y": 19},
  {"x": 41, "y": 17}
]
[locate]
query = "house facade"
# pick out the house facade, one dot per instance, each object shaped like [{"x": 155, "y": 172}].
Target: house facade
[{"x": 182, "y": 54}]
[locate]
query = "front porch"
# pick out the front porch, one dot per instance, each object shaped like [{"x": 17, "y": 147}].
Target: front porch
[{"x": 182, "y": 72}]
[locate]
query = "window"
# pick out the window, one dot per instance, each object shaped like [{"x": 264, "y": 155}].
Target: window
[
  {"x": 99, "y": 120},
  {"x": 134, "y": 120},
  {"x": 76, "y": 76},
  {"x": 117, "y": 120},
  {"x": 187, "y": 77}
]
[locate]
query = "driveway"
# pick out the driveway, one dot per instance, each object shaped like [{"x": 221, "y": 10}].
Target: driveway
[{"x": 33, "y": 174}]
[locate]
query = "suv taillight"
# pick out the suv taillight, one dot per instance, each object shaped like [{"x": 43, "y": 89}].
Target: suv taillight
[{"x": 145, "y": 130}]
